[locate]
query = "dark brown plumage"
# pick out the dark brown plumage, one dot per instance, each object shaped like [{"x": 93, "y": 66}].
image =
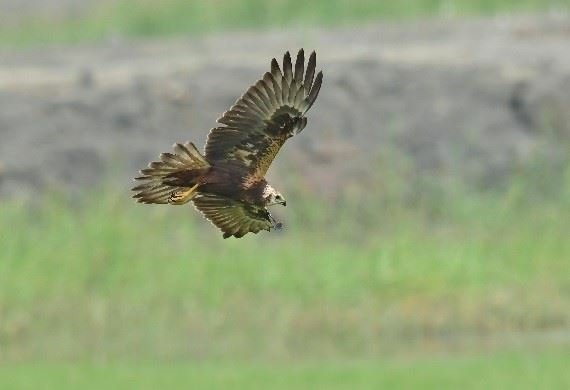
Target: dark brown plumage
[{"x": 227, "y": 184}]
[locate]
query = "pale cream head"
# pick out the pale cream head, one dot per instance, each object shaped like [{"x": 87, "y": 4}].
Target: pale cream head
[{"x": 272, "y": 196}]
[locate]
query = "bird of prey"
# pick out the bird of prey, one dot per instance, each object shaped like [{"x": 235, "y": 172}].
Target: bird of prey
[{"x": 227, "y": 183}]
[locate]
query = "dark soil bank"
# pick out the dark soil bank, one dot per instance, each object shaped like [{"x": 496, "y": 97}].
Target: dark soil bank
[{"x": 468, "y": 101}]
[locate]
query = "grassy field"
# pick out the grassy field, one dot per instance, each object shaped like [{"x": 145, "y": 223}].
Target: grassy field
[
  {"x": 136, "y": 18},
  {"x": 542, "y": 369},
  {"x": 103, "y": 278},
  {"x": 371, "y": 285}
]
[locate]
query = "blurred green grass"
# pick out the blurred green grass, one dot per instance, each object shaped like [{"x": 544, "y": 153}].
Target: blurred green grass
[
  {"x": 145, "y": 18},
  {"x": 369, "y": 273},
  {"x": 542, "y": 369}
]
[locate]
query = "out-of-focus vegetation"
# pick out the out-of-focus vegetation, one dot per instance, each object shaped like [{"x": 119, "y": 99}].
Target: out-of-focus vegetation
[
  {"x": 542, "y": 369},
  {"x": 373, "y": 273},
  {"x": 136, "y": 18}
]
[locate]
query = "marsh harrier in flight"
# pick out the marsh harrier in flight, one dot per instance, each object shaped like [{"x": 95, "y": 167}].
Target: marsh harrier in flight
[{"x": 227, "y": 183}]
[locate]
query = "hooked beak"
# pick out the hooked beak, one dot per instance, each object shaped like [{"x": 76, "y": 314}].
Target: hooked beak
[{"x": 284, "y": 203}]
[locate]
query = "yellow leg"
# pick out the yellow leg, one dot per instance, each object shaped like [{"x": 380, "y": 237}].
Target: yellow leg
[{"x": 182, "y": 196}]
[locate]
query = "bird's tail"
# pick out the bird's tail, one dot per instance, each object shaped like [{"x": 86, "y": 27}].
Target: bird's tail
[{"x": 174, "y": 179}]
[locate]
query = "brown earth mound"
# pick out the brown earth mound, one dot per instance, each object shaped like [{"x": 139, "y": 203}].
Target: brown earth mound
[{"x": 466, "y": 100}]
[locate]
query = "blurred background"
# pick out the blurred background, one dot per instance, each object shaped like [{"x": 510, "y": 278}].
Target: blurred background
[{"x": 426, "y": 239}]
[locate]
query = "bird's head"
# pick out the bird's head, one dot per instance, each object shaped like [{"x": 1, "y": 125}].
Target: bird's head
[{"x": 272, "y": 196}]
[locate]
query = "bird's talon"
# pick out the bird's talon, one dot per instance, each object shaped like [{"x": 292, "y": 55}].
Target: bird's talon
[{"x": 276, "y": 224}]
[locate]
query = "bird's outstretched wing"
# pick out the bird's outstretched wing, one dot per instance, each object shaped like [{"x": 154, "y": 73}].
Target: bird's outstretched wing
[
  {"x": 232, "y": 217},
  {"x": 272, "y": 110}
]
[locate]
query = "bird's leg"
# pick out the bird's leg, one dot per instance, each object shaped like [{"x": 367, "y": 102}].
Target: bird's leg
[
  {"x": 276, "y": 224},
  {"x": 182, "y": 196}
]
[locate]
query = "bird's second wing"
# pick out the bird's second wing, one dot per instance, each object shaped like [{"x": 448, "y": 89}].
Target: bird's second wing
[
  {"x": 272, "y": 110},
  {"x": 233, "y": 218}
]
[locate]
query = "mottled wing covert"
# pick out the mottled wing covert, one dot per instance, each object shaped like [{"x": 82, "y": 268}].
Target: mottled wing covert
[{"x": 272, "y": 110}]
